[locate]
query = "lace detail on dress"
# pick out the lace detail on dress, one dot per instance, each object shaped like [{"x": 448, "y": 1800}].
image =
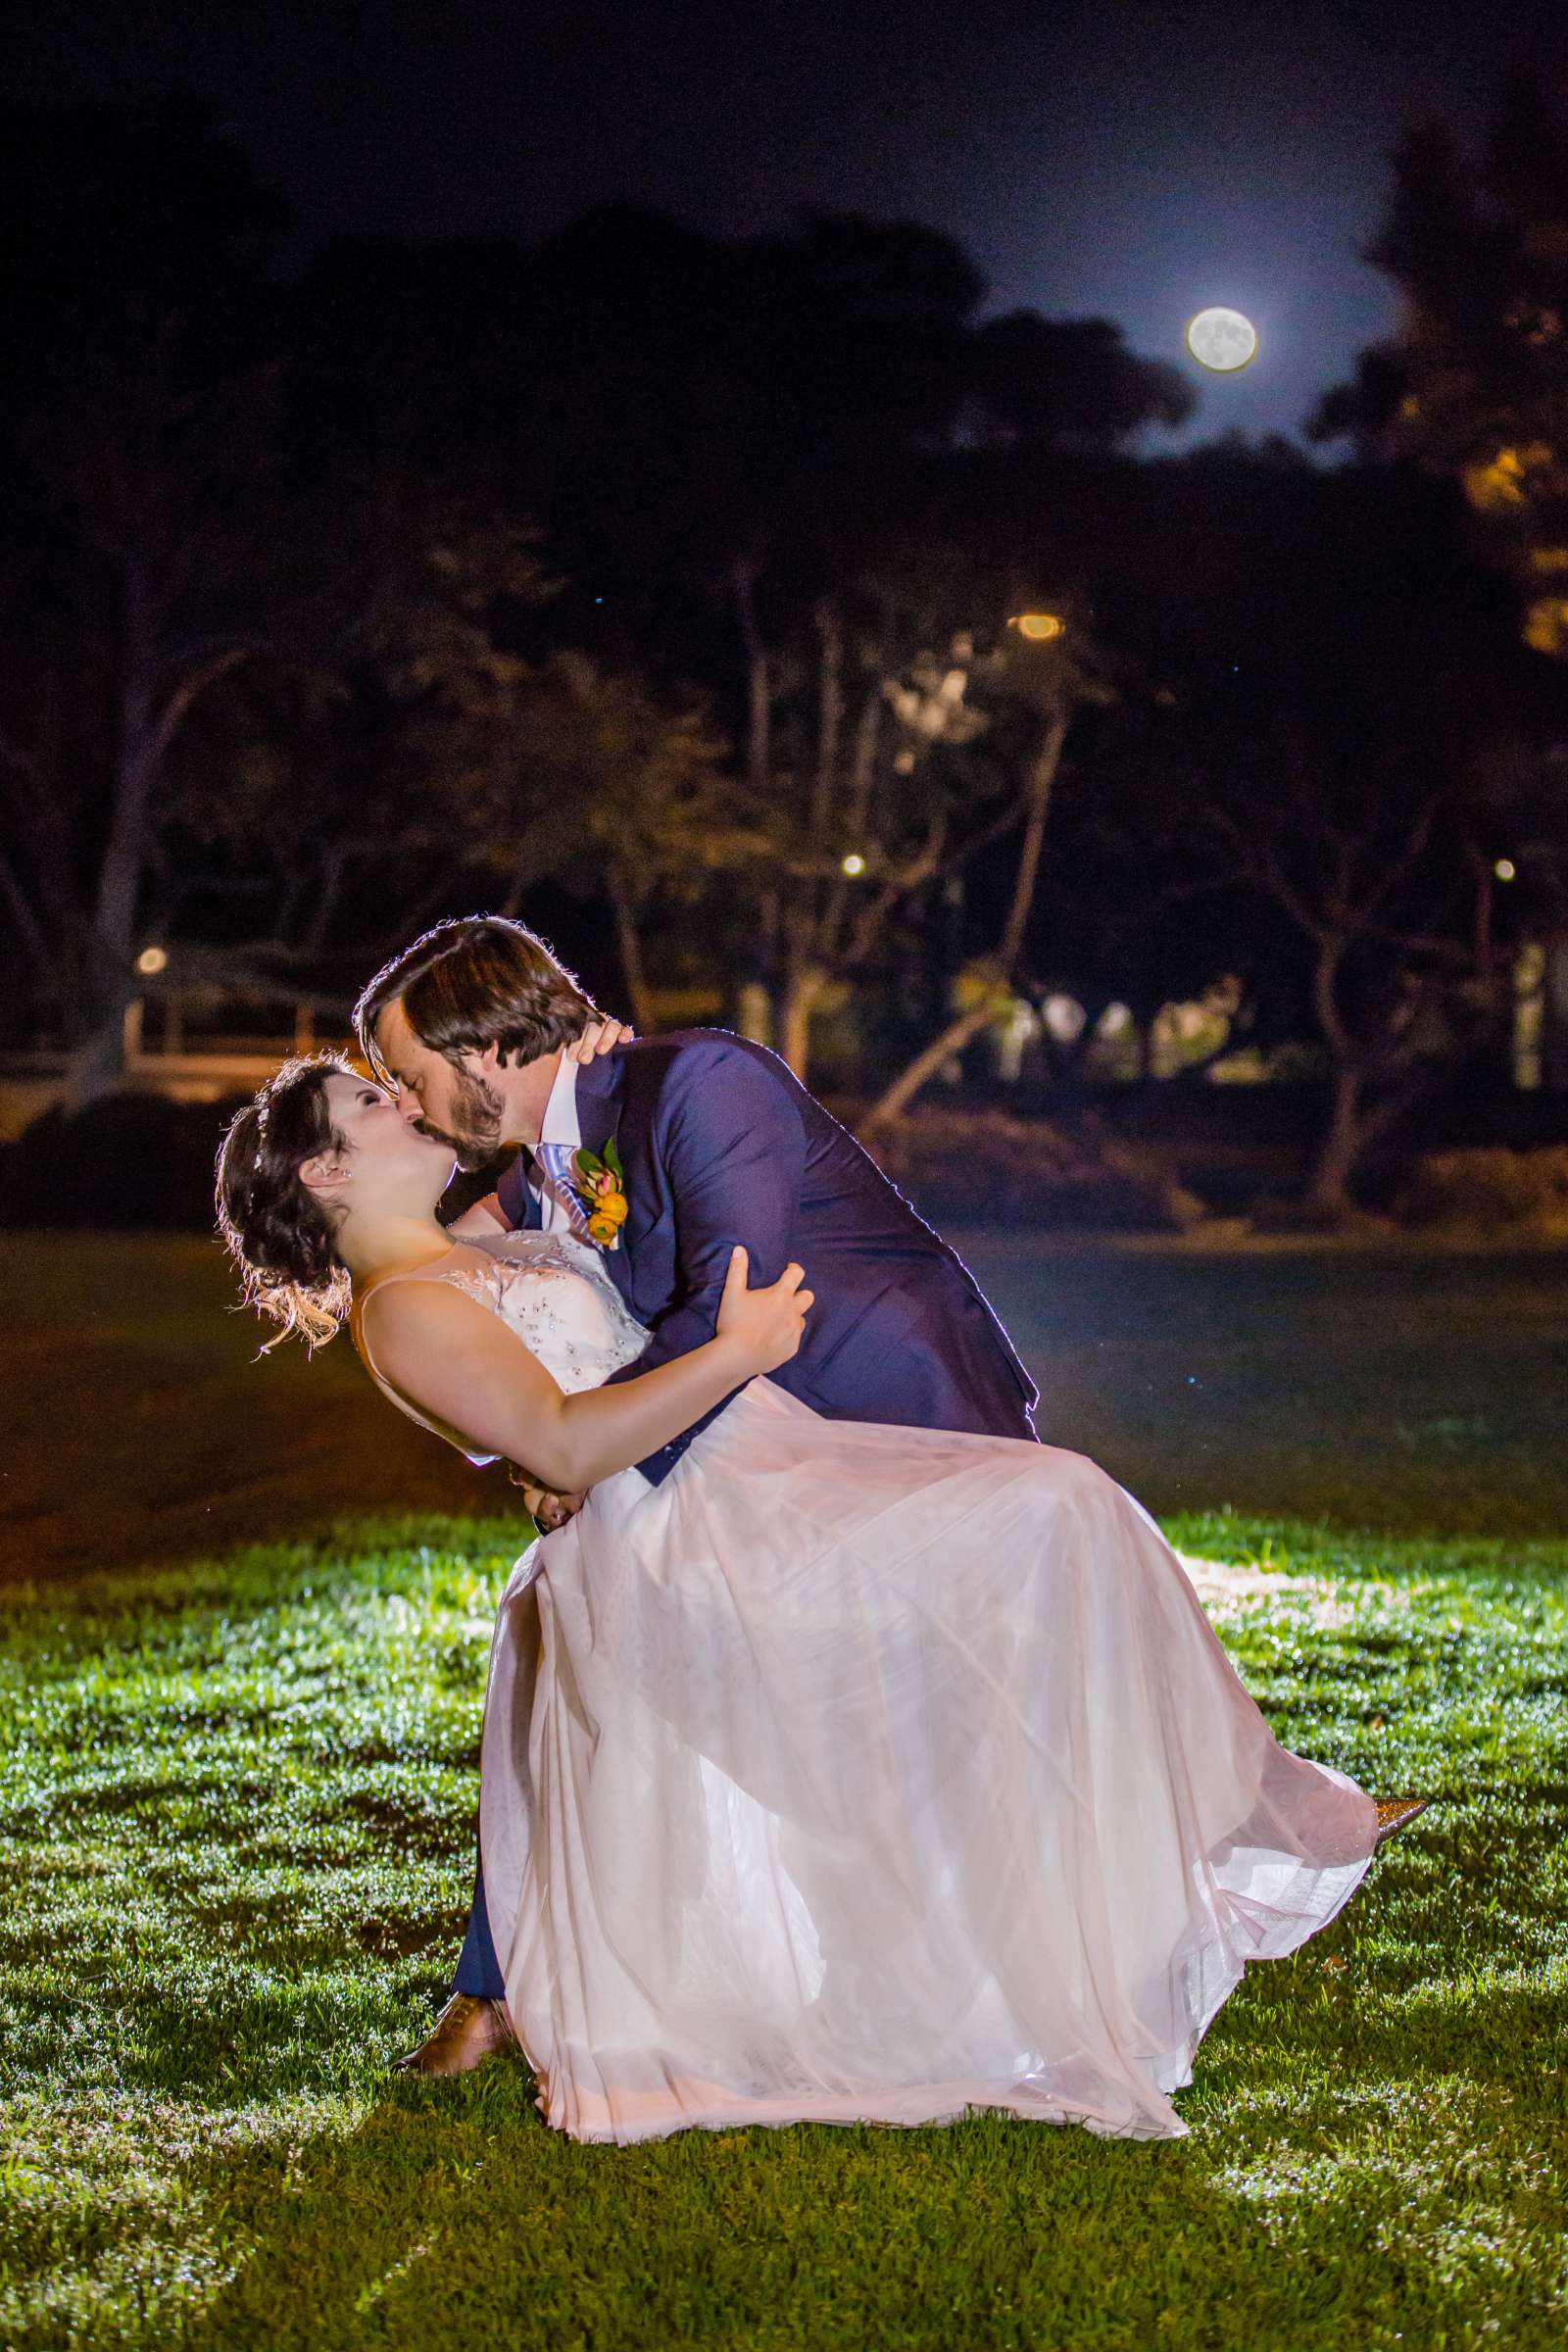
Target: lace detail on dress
[{"x": 552, "y": 1291}]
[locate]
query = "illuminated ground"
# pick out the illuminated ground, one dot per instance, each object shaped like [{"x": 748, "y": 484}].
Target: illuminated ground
[{"x": 236, "y": 1805}]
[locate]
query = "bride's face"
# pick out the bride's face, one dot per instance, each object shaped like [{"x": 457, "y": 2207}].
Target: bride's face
[{"x": 386, "y": 1156}]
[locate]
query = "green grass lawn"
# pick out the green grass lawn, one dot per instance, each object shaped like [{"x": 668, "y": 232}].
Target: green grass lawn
[
  {"x": 236, "y": 1805},
  {"x": 236, "y": 1789}
]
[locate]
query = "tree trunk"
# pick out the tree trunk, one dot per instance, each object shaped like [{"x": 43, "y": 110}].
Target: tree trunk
[
  {"x": 758, "y": 683},
  {"x": 952, "y": 1039},
  {"x": 923, "y": 1068},
  {"x": 801, "y": 991},
  {"x": 145, "y": 735},
  {"x": 862, "y": 786},
  {"x": 98, "y": 1064},
  {"x": 28, "y": 928},
  {"x": 99, "y": 1067},
  {"x": 1329, "y": 1192},
  {"x": 319, "y": 929},
  {"x": 829, "y": 722},
  {"x": 639, "y": 996},
  {"x": 1042, "y": 777}
]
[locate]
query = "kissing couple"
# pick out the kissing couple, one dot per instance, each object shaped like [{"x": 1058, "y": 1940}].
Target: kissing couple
[{"x": 849, "y": 1755}]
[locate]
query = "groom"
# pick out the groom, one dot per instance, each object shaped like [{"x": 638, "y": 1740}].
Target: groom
[{"x": 707, "y": 1140}]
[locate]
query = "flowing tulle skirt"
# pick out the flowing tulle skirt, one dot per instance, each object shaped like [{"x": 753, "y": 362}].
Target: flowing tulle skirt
[{"x": 866, "y": 1774}]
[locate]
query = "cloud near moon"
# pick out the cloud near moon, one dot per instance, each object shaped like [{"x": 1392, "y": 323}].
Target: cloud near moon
[{"x": 1221, "y": 340}]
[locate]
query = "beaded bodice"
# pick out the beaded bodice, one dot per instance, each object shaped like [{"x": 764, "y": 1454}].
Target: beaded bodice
[{"x": 553, "y": 1290}]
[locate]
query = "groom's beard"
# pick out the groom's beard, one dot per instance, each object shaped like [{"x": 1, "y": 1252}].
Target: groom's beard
[{"x": 477, "y": 1117}]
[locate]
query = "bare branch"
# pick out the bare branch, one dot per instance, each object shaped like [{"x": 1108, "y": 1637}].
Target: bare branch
[
  {"x": 22, "y": 914},
  {"x": 151, "y": 753}
]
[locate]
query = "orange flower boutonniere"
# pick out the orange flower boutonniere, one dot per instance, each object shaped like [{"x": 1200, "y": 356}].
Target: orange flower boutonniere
[{"x": 600, "y": 1183}]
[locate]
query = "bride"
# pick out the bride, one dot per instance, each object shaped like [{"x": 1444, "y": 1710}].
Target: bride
[{"x": 853, "y": 1773}]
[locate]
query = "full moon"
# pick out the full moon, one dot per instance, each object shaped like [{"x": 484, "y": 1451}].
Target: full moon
[{"x": 1222, "y": 340}]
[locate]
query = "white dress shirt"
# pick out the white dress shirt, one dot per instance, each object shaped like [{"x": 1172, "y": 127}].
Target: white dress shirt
[{"x": 560, "y": 1125}]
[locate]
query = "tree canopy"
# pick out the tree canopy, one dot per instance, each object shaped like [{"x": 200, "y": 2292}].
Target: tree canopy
[
  {"x": 349, "y": 582},
  {"x": 1474, "y": 385}
]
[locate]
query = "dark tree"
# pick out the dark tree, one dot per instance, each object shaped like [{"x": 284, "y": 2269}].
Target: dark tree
[
  {"x": 1475, "y": 384},
  {"x": 137, "y": 571},
  {"x": 1344, "y": 731}
]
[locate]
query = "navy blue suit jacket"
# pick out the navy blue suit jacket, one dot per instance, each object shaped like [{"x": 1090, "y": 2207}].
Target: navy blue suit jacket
[{"x": 721, "y": 1144}]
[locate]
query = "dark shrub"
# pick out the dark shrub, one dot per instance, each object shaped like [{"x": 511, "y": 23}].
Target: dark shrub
[
  {"x": 1490, "y": 1190},
  {"x": 137, "y": 1161},
  {"x": 130, "y": 1160},
  {"x": 987, "y": 1167}
]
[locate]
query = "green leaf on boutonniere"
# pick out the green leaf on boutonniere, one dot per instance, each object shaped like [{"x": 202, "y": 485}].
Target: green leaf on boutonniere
[{"x": 613, "y": 1162}]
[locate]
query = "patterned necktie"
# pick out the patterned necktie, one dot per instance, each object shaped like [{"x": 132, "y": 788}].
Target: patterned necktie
[{"x": 554, "y": 1160}]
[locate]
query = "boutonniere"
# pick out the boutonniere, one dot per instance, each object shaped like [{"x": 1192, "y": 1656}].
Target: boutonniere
[{"x": 600, "y": 1183}]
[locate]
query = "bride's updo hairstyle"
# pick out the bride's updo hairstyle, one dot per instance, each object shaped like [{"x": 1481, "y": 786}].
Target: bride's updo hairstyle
[{"x": 279, "y": 1235}]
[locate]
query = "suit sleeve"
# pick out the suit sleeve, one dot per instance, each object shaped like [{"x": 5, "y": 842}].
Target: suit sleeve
[
  {"x": 734, "y": 1153},
  {"x": 512, "y": 1197}
]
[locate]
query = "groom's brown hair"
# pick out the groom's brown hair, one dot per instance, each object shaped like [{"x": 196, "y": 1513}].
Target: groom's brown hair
[{"x": 476, "y": 980}]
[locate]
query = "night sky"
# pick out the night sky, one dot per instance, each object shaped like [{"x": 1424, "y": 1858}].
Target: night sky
[{"x": 1135, "y": 163}]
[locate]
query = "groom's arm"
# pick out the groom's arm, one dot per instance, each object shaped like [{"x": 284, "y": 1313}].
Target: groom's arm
[
  {"x": 734, "y": 1153},
  {"x": 485, "y": 1217}
]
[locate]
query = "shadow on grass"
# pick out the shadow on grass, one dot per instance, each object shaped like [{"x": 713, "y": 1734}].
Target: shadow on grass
[
  {"x": 451, "y": 2214},
  {"x": 448, "y": 2212}
]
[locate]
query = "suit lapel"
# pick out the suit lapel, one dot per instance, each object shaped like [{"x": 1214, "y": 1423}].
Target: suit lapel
[
  {"x": 601, "y": 1091},
  {"x": 515, "y": 1195},
  {"x": 600, "y": 1085}
]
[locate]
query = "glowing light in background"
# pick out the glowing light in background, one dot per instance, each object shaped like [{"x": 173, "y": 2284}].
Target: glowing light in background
[
  {"x": 1038, "y": 626},
  {"x": 853, "y": 865},
  {"x": 1505, "y": 870},
  {"x": 1221, "y": 340},
  {"x": 152, "y": 960}
]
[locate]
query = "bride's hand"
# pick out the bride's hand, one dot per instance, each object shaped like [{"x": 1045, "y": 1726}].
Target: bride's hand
[
  {"x": 548, "y": 1510},
  {"x": 545, "y": 1507},
  {"x": 598, "y": 1037},
  {"x": 765, "y": 1323}
]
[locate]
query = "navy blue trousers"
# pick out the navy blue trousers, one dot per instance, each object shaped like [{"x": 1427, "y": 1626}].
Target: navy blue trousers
[{"x": 478, "y": 1969}]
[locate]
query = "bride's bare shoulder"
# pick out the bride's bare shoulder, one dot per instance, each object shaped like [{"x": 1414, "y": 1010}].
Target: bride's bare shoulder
[{"x": 424, "y": 1304}]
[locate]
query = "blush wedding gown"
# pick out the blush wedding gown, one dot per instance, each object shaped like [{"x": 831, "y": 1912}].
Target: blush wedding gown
[{"x": 867, "y": 1774}]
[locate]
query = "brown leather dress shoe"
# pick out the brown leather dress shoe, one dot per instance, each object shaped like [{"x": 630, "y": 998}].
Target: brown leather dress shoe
[
  {"x": 468, "y": 2031},
  {"x": 1397, "y": 1813}
]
